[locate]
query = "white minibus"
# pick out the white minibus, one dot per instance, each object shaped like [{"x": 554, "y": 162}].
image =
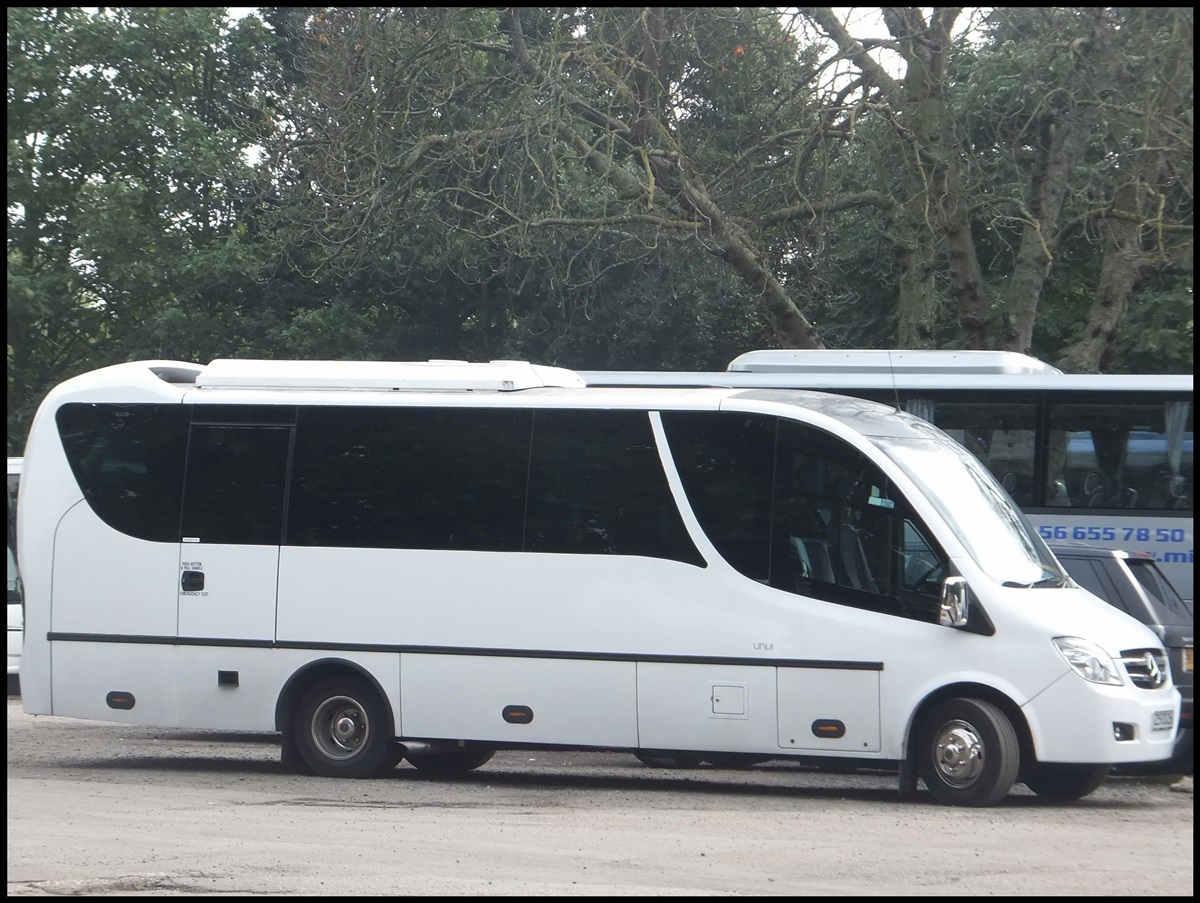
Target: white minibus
[{"x": 432, "y": 561}]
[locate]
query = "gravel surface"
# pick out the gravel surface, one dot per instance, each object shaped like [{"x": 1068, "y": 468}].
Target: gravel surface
[{"x": 105, "y": 809}]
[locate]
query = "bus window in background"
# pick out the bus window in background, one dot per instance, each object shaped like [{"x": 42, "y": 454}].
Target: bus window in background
[
  {"x": 1000, "y": 429},
  {"x": 1131, "y": 455}
]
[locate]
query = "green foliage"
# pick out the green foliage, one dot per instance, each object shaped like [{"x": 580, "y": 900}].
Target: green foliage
[
  {"x": 392, "y": 183},
  {"x": 127, "y": 137}
]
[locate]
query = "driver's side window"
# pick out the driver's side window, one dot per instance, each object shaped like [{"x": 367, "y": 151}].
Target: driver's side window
[
  {"x": 840, "y": 530},
  {"x": 921, "y": 574}
]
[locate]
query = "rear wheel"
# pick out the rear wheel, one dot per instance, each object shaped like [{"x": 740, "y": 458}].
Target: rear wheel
[
  {"x": 450, "y": 761},
  {"x": 340, "y": 729},
  {"x": 967, "y": 753},
  {"x": 1056, "y": 781}
]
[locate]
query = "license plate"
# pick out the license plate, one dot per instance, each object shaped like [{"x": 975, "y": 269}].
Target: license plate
[
  {"x": 1187, "y": 660},
  {"x": 1162, "y": 721}
]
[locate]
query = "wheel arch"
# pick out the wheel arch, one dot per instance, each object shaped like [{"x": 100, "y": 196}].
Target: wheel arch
[
  {"x": 312, "y": 672},
  {"x": 971, "y": 690}
]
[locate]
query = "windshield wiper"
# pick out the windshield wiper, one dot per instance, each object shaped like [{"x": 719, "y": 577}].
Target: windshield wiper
[{"x": 1056, "y": 582}]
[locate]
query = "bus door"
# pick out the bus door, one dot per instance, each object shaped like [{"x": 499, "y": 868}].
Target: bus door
[
  {"x": 232, "y": 522},
  {"x": 799, "y": 510}
]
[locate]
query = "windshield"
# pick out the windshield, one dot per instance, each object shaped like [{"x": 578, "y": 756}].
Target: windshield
[{"x": 995, "y": 532}]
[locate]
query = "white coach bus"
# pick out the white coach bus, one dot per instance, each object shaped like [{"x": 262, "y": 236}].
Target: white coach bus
[{"x": 431, "y": 561}]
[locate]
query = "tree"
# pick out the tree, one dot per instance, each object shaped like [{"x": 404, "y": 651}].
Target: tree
[
  {"x": 621, "y": 128},
  {"x": 1053, "y": 125},
  {"x": 127, "y": 129}
]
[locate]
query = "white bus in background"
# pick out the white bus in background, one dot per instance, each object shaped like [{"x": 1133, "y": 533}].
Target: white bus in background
[
  {"x": 16, "y": 610},
  {"x": 432, "y": 561},
  {"x": 1101, "y": 458}
]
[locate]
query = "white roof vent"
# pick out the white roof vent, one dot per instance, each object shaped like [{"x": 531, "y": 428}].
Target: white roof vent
[
  {"x": 497, "y": 376},
  {"x": 823, "y": 361}
]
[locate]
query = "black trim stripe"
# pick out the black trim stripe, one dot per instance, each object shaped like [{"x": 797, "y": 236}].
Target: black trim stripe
[{"x": 826, "y": 664}]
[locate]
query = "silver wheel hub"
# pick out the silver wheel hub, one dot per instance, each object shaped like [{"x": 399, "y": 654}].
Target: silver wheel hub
[
  {"x": 340, "y": 727},
  {"x": 958, "y": 753},
  {"x": 345, "y": 729}
]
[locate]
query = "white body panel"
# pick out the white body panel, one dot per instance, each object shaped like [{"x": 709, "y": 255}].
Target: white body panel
[
  {"x": 238, "y": 598},
  {"x": 463, "y": 695},
  {"x": 110, "y": 572},
  {"x": 713, "y": 707},
  {"x": 177, "y": 686}
]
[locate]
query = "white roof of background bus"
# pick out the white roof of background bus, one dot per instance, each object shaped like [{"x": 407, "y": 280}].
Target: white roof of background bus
[
  {"x": 883, "y": 370},
  {"x": 886, "y": 361},
  {"x": 496, "y": 376}
]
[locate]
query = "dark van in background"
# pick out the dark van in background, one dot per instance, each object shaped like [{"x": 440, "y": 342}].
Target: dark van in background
[{"x": 1132, "y": 582}]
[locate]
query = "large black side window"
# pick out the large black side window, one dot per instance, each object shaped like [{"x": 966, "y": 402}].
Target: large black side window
[
  {"x": 410, "y": 478},
  {"x": 128, "y": 460},
  {"x": 235, "y": 484},
  {"x": 799, "y": 509},
  {"x": 725, "y": 462},
  {"x": 597, "y": 485}
]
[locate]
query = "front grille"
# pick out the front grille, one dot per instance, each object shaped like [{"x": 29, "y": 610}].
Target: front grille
[{"x": 1147, "y": 668}]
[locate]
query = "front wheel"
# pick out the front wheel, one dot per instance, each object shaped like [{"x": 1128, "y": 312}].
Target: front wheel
[
  {"x": 1057, "y": 781},
  {"x": 451, "y": 761},
  {"x": 967, "y": 753},
  {"x": 340, "y": 729}
]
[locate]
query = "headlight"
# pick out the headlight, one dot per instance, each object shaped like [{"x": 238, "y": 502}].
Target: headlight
[{"x": 1089, "y": 660}]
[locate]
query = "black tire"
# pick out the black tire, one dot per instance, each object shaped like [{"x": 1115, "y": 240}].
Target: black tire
[
  {"x": 341, "y": 729},
  {"x": 967, "y": 753},
  {"x": 450, "y": 761},
  {"x": 669, "y": 760},
  {"x": 1056, "y": 781}
]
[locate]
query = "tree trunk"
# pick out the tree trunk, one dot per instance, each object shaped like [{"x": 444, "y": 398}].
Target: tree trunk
[
  {"x": 1093, "y": 349},
  {"x": 1063, "y": 140}
]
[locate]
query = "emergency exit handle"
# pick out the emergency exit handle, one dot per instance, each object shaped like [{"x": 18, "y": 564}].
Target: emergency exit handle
[{"x": 192, "y": 581}]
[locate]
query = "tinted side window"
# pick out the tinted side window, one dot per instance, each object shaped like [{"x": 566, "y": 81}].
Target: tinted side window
[
  {"x": 128, "y": 460},
  {"x": 999, "y": 428},
  {"x": 411, "y": 478},
  {"x": 1123, "y": 451},
  {"x": 841, "y": 532},
  {"x": 596, "y": 485},
  {"x": 725, "y": 462},
  {"x": 789, "y": 505},
  {"x": 235, "y": 484}
]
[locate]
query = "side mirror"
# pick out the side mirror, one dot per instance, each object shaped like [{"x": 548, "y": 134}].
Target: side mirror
[{"x": 955, "y": 606}]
